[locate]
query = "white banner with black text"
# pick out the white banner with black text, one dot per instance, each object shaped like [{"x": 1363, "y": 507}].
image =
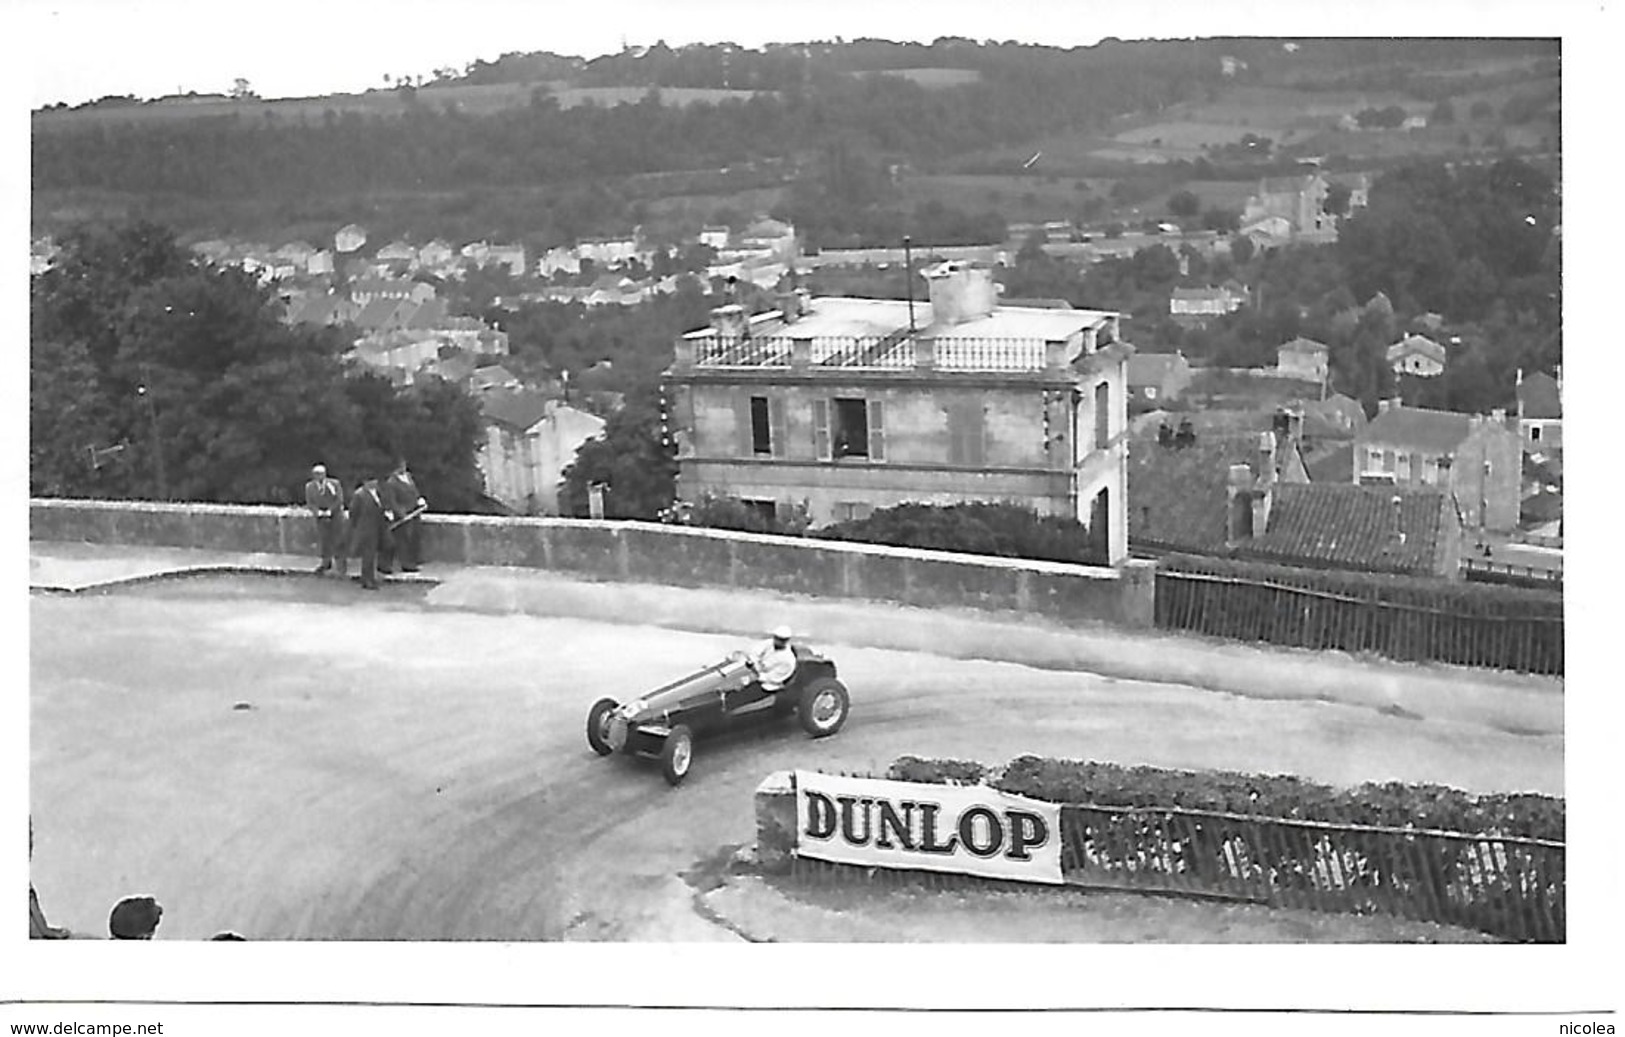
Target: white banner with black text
[{"x": 969, "y": 830}]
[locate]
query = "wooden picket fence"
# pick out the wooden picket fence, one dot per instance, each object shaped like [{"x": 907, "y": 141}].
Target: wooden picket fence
[
  {"x": 1510, "y": 887},
  {"x": 1507, "y": 628}
]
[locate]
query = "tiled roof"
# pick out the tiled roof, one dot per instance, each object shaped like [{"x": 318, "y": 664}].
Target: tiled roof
[
  {"x": 429, "y": 316},
  {"x": 1428, "y": 431},
  {"x": 378, "y": 312},
  {"x": 1344, "y": 411},
  {"x": 1352, "y": 527},
  {"x": 1178, "y": 497},
  {"x": 1335, "y": 467},
  {"x": 520, "y": 409},
  {"x": 1538, "y": 397},
  {"x": 1417, "y": 344}
]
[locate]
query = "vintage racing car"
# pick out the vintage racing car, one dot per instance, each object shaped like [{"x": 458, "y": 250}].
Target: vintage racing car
[{"x": 664, "y": 723}]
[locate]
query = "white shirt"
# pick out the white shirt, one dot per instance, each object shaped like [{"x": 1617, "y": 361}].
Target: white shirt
[{"x": 774, "y": 665}]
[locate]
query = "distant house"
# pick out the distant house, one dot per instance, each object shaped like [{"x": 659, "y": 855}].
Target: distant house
[
  {"x": 1540, "y": 411},
  {"x": 1302, "y": 358},
  {"x": 607, "y": 251},
  {"x": 370, "y": 289},
  {"x": 1249, "y": 497},
  {"x": 714, "y": 236},
  {"x": 496, "y": 376},
  {"x": 398, "y": 252},
  {"x": 385, "y": 314},
  {"x": 348, "y": 239},
  {"x": 320, "y": 263},
  {"x": 1417, "y": 355},
  {"x": 1340, "y": 412},
  {"x": 1267, "y": 233},
  {"x": 510, "y": 256},
  {"x": 1476, "y": 459},
  {"x": 1155, "y": 378},
  {"x": 1204, "y": 303},
  {"x": 529, "y": 440},
  {"x": 298, "y": 253},
  {"x": 1299, "y": 200},
  {"x": 436, "y": 254},
  {"x": 325, "y": 310},
  {"x": 558, "y": 259}
]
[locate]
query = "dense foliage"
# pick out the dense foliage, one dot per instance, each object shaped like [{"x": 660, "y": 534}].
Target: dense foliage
[
  {"x": 1004, "y": 530},
  {"x": 154, "y": 375},
  {"x": 631, "y": 460},
  {"x": 1385, "y": 804}
]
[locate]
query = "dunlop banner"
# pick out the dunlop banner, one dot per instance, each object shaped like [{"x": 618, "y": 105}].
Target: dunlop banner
[{"x": 970, "y": 830}]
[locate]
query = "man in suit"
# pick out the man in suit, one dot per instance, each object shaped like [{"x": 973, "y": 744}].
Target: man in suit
[
  {"x": 325, "y": 499},
  {"x": 401, "y": 498},
  {"x": 369, "y": 531}
]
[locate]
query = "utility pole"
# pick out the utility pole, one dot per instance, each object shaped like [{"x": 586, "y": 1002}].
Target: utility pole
[
  {"x": 157, "y": 443},
  {"x": 908, "y": 280}
]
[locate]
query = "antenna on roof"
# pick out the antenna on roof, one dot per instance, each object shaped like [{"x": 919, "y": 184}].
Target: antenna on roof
[{"x": 908, "y": 280}]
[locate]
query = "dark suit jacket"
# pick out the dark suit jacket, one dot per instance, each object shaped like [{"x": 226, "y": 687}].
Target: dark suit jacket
[
  {"x": 366, "y": 517},
  {"x": 400, "y": 494}
]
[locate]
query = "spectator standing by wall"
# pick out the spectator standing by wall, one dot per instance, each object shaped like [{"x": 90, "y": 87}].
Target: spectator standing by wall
[
  {"x": 325, "y": 499},
  {"x": 369, "y": 532},
  {"x": 402, "y": 499}
]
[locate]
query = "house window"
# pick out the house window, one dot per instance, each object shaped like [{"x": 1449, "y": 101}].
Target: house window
[
  {"x": 851, "y": 427},
  {"x": 1373, "y": 459},
  {"x": 1103, "y": 414},
  {"x": 1387, "y": 462},
  {"x": 967, "y": 434},
  {"x": 853, "y": 511},
  {"x": 765, "y": 510},
  {"x": 1404, "y": 473},
  {"x": 761, "y": 430},
  {"x": 1534, "y": 433},
  {"x": 1430, "y": 471}
]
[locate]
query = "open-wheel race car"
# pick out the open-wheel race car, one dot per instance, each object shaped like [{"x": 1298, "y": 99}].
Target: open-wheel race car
[{"x": 664, "y": 723}]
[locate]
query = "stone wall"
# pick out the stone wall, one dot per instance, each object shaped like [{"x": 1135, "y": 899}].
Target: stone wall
[{"x": 647, "y": 553}]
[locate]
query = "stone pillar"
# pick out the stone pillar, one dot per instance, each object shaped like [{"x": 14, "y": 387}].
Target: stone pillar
[
  {"x": 1137, "y": 601},
  {"x": 776, "y": 822}
]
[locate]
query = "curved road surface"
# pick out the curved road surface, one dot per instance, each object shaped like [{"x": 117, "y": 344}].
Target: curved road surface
[{"x": 293, "y": 760}]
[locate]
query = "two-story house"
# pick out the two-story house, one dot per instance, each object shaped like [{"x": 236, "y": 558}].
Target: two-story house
[
  {"x": 1202, "y": 304},
  {"x": 845, "y": 405},
  {"x": 1540, "y": 411},
  {"x": 1302, "y": 358},
  {"x": 529, "y": 440},
  {"x": 1300, "y": 200},
  {"x": 1477, "y": 459},
  {"x": 349, "y": 238},
  {"x": 1417, "y": 355}
]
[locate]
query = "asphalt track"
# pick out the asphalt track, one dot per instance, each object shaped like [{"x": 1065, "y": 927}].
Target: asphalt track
[{"x": 293, "y": 760}]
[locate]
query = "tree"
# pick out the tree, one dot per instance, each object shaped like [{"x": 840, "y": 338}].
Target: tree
[
  {"x": 1225, "y": 221},
  {"x": 631, "y": 459},
  {"x": 1337, "y": 199},
  {"x": 1443, "y": 114},
  {"x": 218, "y": 399},
  {"x": 1184, "y": 204},
  {"x": 1241, "y": 249}
]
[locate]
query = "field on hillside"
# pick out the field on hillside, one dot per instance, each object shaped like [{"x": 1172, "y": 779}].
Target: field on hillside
[
  {"x": 1020, "y": 198},
  {"x": 481, "y": 99},
  {"x": 931, "y": 78}
]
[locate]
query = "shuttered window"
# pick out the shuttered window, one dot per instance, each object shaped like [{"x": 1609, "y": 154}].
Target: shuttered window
[
  {"x": 877, "y": 431},
  {"x": 967, "y": 434},
  {"x": 821, "y": 436}
]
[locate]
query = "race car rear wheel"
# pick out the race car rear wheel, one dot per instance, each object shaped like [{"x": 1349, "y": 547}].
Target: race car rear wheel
[
  {"x": 598, "y": 718},
  {"x": 824, "y": 705},
  {"x": 677, "y": 755}
]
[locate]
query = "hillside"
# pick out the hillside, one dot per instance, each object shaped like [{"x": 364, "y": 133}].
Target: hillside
[{"x": 547, "y": 147}]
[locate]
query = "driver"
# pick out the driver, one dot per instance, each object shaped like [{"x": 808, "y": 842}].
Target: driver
[{"x": 774, "y": 661}]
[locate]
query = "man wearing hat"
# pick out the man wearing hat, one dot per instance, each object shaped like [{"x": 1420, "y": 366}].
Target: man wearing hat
[
  {"x": 134, "y": 918},
  {"x": 774, "y": 662},
  {"x": 402, "y": 499},
  {"x": 368, "y": 530},
  {"x": 325, "y": 499}
]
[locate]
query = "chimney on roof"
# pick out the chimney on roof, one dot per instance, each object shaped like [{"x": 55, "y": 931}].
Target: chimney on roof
[
  {"x": 960, "y": 291},
  {"x": 790, "y": 306},
  {"x": 730, "y": 321},
  {"x": 1264, "y": 485},
  {"x": 1239, "y": 512},
  {"x": 1399, "y": 524}
]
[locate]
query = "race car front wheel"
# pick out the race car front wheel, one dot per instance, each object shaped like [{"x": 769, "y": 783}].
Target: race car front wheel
[
  {"x": 598, "y": 718},
  {"x": 677, "y": 755},
  {"x": 824, "y": 705}
]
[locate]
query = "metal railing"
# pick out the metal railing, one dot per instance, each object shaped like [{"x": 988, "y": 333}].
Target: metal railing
[{"x": 1507, "y": 886}]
